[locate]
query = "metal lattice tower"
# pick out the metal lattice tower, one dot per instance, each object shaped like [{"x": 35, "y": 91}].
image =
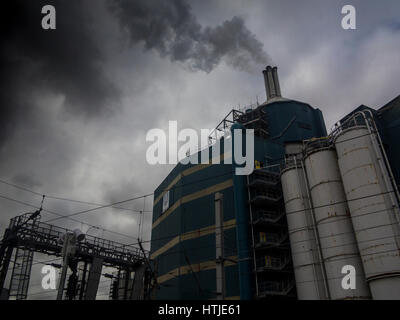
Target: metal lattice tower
[{"x": 28, "y": 235}]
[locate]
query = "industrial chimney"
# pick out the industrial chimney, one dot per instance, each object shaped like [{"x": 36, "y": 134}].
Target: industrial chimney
[{"x": 271, "y": 82}]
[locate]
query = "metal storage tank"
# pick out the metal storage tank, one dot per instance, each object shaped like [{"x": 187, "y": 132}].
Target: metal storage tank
[
  {"x": 310, "y": 282},
  {"x": 337, "y": 240},
  {"x": 373, "y": 207}
]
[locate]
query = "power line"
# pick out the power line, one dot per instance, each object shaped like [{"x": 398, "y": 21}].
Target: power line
[
  {"x": 292, "y": 212},
  {"x": 138, "y": 197},
  {"x": 132, "y": 199},
  {"x": 63, "y": 198},
  {"x": 101, "y": 206},
  {"x": 183, "y": 251},
  {"x": 62, "y": 216},
  {"x": 197, "y": 247},
  {"x": 287, "y": 213},
  {"x": 98, "y": 208}
]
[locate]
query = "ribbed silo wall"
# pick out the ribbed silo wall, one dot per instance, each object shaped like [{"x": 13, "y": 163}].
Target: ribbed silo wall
[
  {"x": 306, "y": 262},
  {"x": 337, "y": 240},
  {"x": 373, "y": 210}
]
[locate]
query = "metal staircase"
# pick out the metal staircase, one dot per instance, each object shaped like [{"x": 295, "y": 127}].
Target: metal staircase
[
  {"x": 272, "y": 263},
  {"x": 268, "y": 240},
  {"x": 265, "y": 216},
  {"x": 276, "y": 288}
]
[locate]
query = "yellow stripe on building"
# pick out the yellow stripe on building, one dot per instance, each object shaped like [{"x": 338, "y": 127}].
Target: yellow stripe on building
[
  {"x": 196, "y": 267},
  {"x": 193, "y": 196},
  {"x": 228, "y": 298},
  {"x": 188, "y": 172},
  {"x": 191, "y": 235},
  {"x": 232, "y": 298}
]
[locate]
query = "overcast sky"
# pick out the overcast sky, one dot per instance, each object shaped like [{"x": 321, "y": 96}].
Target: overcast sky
[{"x": 77, "y": 102}]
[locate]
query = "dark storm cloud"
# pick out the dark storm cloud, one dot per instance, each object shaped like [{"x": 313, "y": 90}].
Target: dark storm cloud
[
  {"x": 64, "y": 61},
  {"x": 26, "y": 180},
  {"x": 55, "y": 150},
  {"x": 170, "y": 28}
]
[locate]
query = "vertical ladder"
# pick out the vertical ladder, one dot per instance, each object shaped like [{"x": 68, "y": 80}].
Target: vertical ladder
[{"x": 21, "y": 273}]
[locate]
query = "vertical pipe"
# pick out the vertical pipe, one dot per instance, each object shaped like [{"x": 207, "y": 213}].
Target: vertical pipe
[
  {"x": 219, "y": 245},
  {"x": 271, "y": 85},
  {"x": 242, "y": 224},
  {"x": 67, "y": 248},
  {"x": 386, "y": 164},
  {"x": 252, "y": 239},
  {"x": 61, "y": 284},
  {"x": 267, "y": 92},
  {"x": 276, "y": 81},
  {"x": 83, "y": 282}
]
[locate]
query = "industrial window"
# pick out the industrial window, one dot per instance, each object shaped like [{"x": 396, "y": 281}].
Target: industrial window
[{"x": 165, "y": 201}]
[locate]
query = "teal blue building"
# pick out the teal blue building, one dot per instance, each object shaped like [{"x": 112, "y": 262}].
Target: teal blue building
[{"x": 257, "y": 260}]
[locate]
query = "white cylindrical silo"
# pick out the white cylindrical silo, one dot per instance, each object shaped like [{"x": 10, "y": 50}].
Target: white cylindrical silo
[
  {"x": 306, "y": 263},
  {"x": 373, "y": 207},
  {"x": 336, "y": 235}
]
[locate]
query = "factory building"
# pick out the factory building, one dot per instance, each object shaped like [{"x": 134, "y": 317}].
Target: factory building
[
  {"x": 254, "y": 258},
  {"x": 316, "y": 208}
]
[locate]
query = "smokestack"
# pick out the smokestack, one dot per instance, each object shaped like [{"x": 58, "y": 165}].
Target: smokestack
[
  {"x": 271, "y": 80},
  {"x": 276, "y": 81}
]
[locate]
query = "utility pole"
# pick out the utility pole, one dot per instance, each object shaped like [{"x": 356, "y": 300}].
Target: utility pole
[
  {"x": 67, "y": 251},
  {"x": 152, "y": 272},
  {"x": 219, "y": 245}
]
